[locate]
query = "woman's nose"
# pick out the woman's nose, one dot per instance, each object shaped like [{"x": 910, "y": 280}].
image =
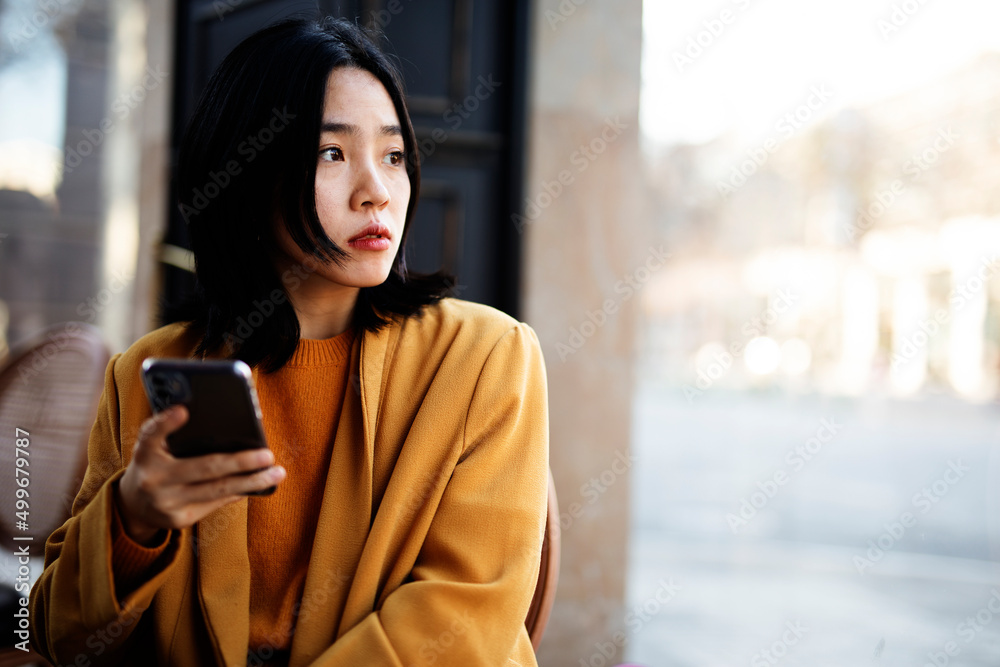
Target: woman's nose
[{"x": 370, "y": 190}]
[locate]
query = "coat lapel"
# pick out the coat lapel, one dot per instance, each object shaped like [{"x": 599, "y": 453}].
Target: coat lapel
[
  {"x": 220, "y": 543},
  {"x": 345, "y": 516},
  {"x": 224, "y": 581}
]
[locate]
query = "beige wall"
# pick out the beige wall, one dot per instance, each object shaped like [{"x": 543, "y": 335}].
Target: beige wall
[{"x": 580, "y": 244}]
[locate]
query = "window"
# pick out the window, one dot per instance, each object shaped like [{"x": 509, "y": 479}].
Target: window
[{"x": 816, "y": 424}]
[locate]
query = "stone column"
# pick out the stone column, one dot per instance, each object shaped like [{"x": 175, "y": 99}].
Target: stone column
[
  {"x": 586, "y": 244},
  {"x": 154, "y": 141},
  {"x": 136, "y": 180}
]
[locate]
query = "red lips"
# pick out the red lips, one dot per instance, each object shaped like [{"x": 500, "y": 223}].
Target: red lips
[
  {"x": 373, "y": 230},
  {"x": 375, "y": 237}
]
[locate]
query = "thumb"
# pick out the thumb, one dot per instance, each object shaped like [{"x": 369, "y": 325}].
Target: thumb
[{"x": 156, "y": 429}]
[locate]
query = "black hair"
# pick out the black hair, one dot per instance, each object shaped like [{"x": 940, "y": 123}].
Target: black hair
[{"x": 249, "y": 157}]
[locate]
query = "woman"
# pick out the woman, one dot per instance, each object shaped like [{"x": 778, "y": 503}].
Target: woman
[{"x": 408, "y": 432}]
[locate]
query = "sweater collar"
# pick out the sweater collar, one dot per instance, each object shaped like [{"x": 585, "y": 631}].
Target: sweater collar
[{"x": 313, "y": 352}]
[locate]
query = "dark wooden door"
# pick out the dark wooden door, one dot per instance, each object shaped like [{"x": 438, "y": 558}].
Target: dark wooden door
[{"x": 464, "y": 66}]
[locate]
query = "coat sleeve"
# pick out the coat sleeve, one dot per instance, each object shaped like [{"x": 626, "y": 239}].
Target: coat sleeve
[
  {"x": 469, "y": 591},
  {"x": 74, "y": 607}
]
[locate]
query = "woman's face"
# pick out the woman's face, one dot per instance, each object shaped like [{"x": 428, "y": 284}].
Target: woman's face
[{"x": 362, "y": 189}]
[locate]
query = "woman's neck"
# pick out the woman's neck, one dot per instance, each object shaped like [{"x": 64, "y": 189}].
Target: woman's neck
[{"x": 324, "y": 309}]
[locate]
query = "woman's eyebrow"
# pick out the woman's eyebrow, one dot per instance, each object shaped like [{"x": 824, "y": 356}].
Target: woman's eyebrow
[{"x": 354, "y": 130}]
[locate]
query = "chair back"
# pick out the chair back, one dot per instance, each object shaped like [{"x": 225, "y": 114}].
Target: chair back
[
  {"x": 49, "y": 390},
  {"x": 548, "y": 573}
]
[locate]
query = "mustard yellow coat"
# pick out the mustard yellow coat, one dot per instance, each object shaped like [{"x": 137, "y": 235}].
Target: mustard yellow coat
[{"x": 429, "y": 537}]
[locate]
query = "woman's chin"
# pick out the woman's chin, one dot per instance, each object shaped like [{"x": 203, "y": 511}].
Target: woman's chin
[{"x": 368, "y": 278}]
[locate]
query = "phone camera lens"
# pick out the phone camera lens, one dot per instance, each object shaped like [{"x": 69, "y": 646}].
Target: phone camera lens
[{"x": 169, "y": 388}]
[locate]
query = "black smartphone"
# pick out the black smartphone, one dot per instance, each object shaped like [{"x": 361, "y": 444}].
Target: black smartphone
[{"x": 224, "y": 414}]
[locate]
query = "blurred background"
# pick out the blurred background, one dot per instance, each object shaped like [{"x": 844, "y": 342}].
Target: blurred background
[{"x": 759, "y": 241}]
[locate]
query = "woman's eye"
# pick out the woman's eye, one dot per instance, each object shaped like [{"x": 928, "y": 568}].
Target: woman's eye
[
  {"x": 394, "y": 158},
  {"x": 332, "y": 154}
]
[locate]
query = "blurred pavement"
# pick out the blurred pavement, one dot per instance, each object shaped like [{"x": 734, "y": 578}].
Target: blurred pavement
[{"x": 792, "y": 566}]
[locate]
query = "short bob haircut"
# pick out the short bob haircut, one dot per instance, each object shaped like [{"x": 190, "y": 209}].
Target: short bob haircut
[{"x": 248, "y": 159}]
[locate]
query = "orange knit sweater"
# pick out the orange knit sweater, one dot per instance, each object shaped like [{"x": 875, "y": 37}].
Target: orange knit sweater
[{"x": 301, "y": 406}]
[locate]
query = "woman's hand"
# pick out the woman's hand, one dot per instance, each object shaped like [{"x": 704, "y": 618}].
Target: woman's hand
[{"x": 159, "y": 491}]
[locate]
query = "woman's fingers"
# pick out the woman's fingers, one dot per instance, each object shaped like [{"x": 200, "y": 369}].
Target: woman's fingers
[
  {"x": 181, "y": 506},
  {"x": 199, "y": 469},
  {"x": 233, "y": 486}
]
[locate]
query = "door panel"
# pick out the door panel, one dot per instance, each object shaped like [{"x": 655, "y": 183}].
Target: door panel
[{"x": 463, "y": 65}]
